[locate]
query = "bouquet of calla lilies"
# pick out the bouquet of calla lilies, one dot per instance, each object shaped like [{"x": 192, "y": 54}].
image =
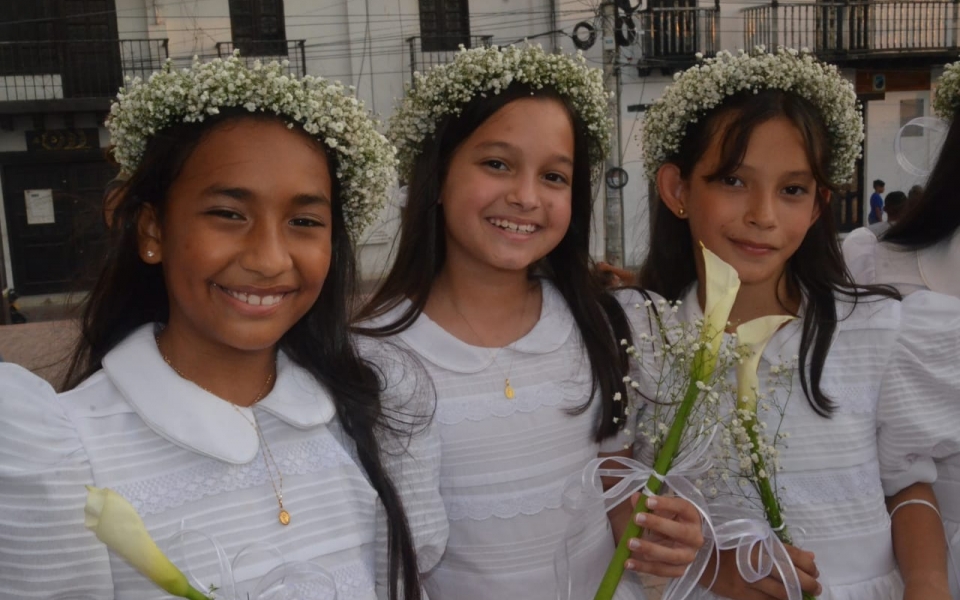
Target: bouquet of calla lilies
[{"x": 694, "y": 360}]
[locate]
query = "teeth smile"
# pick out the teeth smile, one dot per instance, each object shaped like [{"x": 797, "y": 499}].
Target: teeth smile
[
  {"x": 253, "y": 299},
  {"x": 511, "y": 226}
]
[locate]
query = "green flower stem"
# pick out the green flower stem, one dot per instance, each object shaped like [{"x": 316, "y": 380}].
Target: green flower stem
[
  {"x": 193, "y": 594},
  {"x": 771, "y": 506},
  {"x": 611, "y": 579}
]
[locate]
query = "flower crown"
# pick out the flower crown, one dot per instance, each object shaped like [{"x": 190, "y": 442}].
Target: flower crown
[
  {"x": 325, "y": 109},
  {"x": 446, "y": 90},
  {"x": 705, "y": 86},
  {"x": 946, "y": 100}
]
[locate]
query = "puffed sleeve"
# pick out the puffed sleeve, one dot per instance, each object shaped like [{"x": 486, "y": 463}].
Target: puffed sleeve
[
  {"x": 859, "y": 248},
  {"x": 919, "y": 408},
  {"x": 45, "y": 551},
  {"x": 411, "y": 452}
]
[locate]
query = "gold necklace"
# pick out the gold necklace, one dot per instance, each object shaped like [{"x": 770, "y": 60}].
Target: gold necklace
[
  {"x": 508, "y": 391},
  {"x": 283, "y": 516}
]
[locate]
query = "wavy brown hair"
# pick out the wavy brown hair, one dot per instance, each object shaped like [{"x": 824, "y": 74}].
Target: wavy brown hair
[{"x": 816, "y": 269}]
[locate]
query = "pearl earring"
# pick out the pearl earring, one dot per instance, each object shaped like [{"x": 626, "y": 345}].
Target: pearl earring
[
  {"x": 149, "y": 253},
  {"x": 682, "y": 212}
]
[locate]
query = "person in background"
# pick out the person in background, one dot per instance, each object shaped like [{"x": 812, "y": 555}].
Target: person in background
[
  {"x": 922, "y": 252},
  {"x": 876, "y": 202},
  {"x": 894, "y": 206}
]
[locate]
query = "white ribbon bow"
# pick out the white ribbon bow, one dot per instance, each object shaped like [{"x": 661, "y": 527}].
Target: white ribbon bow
[
  {"x": 742, "y": 533},
  {"x": 584, "y": 490},
  {"x": 280, "y": 583}
]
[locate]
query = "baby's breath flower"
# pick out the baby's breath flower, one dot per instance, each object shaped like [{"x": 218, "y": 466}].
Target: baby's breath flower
[
  {"x": 703, "y": 87},
  {"x": 325, "y": 109},
  {"x": 946, "y": 100},
  {"x": 446, "y": 89}
]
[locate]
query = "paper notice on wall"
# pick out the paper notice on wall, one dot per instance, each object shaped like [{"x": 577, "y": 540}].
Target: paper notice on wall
[{"x": 39, "y": 206}]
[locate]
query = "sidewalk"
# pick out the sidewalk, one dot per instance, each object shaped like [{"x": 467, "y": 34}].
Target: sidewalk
[{"x": 43, "y": 347}]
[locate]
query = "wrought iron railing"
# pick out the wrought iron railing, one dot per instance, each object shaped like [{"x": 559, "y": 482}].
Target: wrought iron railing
[
  {"x": 677, "y": 34},
  {"x": 422, "y": 56},
  {"x": 854, "y": 28},
  {"x": 54, "y": 70},
  {"x": 293, "y": 51}
]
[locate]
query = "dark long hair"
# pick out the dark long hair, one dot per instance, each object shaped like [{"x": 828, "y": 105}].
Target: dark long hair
[
  {"x": 935, "y": 216},
  {"x": 421, "y": 251},
  {"x": 816, "y": 269},
  {"x": 130, "y": 293}
]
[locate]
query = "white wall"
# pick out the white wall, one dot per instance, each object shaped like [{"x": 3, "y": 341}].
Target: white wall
[{"x": 880, "y": 158}]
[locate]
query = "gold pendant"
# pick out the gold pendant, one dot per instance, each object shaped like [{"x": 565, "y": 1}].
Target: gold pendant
[
  {"x": 508, "y": 390},
  {"x": 284, "y": 517}
]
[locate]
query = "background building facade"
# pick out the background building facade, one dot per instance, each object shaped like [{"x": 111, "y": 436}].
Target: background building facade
[{"x": 62, "y": 60}]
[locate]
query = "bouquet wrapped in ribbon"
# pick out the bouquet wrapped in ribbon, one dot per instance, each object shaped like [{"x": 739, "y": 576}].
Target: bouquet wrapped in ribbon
[{"x": 686, "y": 366}]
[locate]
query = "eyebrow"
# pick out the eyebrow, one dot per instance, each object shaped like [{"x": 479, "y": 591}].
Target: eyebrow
[
  {"x": 244, "y": 195},
  {"x": 796, "y": 173},
  {"x": 504, "y": 146}
]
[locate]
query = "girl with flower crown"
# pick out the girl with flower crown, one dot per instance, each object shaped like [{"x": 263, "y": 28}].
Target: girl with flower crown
[
  {"x": 922, "y": 252},
  {"x": 492, "y": 289},
  {"x": 216, "y": 385},
  {"x": 745, "y": 166}
]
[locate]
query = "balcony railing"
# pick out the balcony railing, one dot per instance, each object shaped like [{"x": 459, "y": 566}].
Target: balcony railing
[
  {"x": 292, "y": 51},
  {"x": 855, "y": 29},
  {"x": 75, "y": 69},
  {"x": 672, "y": 36},
  {"x": 421, "y": 60}
]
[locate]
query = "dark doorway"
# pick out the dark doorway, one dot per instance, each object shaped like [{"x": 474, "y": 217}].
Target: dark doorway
[
  {"x": 258, "y": 27},
  {"x": 62, "y": 256},
  {"x": 76, "y": 39},
  {"x": 444, "y": 25},
  {"x": 91, "y": 50}
]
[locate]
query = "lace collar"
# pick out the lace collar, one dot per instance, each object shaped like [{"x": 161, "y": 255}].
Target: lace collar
[
  {"x": 432, "y": 342},
  {"x": 186, "y": 415}
]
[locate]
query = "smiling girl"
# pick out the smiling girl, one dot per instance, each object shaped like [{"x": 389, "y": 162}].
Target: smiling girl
[
  {"x": 215, "y": 385},
  {"x": 492, "y": 289},
  {"x": 746, "y": 169}
]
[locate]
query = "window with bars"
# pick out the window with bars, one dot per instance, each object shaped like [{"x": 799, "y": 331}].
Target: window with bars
[
  {"x": 258, "y": 27},
  {"x": 444, "y": 25}
]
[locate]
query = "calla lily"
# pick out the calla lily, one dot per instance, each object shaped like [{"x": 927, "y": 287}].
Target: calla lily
[
  {"x": 754, "y": 336},
  {"x": 723, "y": 284},
  {"x": 116, "y": 523}
]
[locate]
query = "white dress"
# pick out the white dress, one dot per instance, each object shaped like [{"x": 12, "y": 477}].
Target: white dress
[
  {"x": 505, "y": 461},
  {"x": 188, "y": 460},
  {"x": 936, "y": 268},
  {"x": 891, "y": 372}
]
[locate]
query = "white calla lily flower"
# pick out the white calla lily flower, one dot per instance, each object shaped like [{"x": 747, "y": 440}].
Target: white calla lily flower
[
  {"x": 754, "y": 336},
  {"x": 116, "y": 523},
  {"x": 723, "y": 284}
]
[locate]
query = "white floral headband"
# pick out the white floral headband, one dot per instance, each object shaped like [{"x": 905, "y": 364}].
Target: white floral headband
[
  {"x": 446, "y": 89},
  {"x": 705, "y": 86},
  {"x": 327, "y": 110},
  {"x": 946, "y": 100}
]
